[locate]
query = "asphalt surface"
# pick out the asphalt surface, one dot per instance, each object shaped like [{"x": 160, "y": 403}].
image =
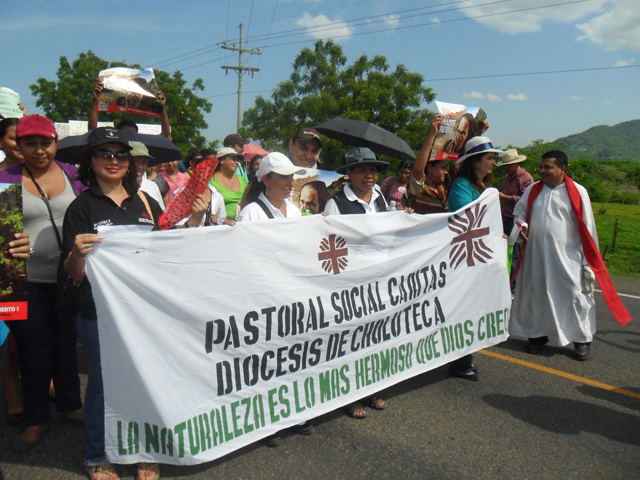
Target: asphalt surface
[{"x": 517, "y": 422}]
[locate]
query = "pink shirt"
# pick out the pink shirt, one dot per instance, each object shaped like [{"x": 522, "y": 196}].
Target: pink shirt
[{"x": 173, "y": 186}]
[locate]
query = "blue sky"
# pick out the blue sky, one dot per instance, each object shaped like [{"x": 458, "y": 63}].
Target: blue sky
[{"x": 441, "y": 39}]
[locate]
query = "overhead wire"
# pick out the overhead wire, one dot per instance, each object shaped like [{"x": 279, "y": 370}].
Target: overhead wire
[{"x": 303, "y": 30}]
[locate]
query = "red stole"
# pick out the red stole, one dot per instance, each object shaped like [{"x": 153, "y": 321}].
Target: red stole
[{"x": 589, "y": 248}]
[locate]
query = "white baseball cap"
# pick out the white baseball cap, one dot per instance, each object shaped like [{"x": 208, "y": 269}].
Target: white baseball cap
[{"x": 278, "y": 163}]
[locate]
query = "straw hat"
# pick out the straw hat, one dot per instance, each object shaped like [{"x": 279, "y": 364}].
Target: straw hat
[{"x": 511, "y": 157}]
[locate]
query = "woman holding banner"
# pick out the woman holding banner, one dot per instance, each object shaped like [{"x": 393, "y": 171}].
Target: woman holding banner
[
  {"x": 113, "y": 198},
  {"x": 267, "y": 197},
  {"x": 473, "y": 176},
  {"x": 360, "y": 196},
  {"x": 268, "y": 194}
]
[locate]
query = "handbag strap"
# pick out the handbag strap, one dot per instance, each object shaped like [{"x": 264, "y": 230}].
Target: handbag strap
[
  {"x": 146, "y": 204},
  {"x": 44, "y": 198},
  {"x": 265, "y": 209}
]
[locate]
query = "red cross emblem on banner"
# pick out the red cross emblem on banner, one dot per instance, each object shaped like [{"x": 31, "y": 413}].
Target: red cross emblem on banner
[
  {"x": 468, "y": 244},
  {"x": 333, "y": 254}
]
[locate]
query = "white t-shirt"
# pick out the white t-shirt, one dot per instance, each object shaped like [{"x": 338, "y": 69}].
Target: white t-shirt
[
  {"x": 217, "y": 207},
  {"x": 152, "y": 189},
  {"x": 253, "y": 211},
  {"x": 372, "y": 207}
]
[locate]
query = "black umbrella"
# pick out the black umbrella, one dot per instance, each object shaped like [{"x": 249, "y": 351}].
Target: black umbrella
[
  {"x": 160, "y": 148},
  {"x": 364, "y": 134}
]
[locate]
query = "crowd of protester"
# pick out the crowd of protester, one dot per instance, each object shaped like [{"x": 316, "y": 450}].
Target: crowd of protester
[{"x": 114, "y": 184}]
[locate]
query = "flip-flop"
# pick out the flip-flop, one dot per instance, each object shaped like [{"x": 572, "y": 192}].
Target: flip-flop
[
  {"x": 352, "y": 411},
  {"x": 373, "y": 403}
]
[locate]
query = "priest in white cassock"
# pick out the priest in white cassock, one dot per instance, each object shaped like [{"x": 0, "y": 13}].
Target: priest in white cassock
[{"x": 554, "y": 284}]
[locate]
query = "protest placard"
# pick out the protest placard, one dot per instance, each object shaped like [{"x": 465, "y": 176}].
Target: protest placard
[
  {"x": 460, "y": 123},
  {"x": 10, "y": 103},
  {"x": 311, "y": 191},
  {"x": 13, "y": 275},
  {"x": 258, "y": 327},
  {"x": 129, "y": 90}
]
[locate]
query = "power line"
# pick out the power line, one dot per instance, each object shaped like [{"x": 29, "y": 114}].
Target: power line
[
  {"x": 530, "y": 73},
  {"x": 367, "y": 20},
  {"x": 433, "y": 24},
  {"x": 249, "y": 25},
  {"x": 519, "y": 74},
  {"x": 269, "y": 30},
  {"x": 317, "y": 29}
]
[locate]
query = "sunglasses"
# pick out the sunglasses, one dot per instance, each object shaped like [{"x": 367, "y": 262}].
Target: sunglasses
[{"x": 109, "y": 155}]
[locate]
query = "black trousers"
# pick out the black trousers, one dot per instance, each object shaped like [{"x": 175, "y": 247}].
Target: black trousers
[{"x": 46, "y": 344}]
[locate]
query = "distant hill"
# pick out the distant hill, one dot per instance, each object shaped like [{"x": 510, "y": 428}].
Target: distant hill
[{"x": 619, "y": 142}]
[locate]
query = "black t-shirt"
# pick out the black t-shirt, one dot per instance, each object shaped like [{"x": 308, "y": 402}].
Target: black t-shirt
[{"x": 92, "y": 209}]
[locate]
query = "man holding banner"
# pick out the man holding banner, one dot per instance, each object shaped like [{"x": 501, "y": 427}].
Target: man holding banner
[{"x": 554, "y": 286}]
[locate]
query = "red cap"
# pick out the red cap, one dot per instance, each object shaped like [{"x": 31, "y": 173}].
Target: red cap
[{"x": 35, "y": 125}]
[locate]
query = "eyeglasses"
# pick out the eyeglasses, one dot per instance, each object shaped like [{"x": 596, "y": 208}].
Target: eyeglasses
[{"x": 109, "y": 155}]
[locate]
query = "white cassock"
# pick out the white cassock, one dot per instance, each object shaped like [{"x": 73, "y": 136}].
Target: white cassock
[{"x": 551, "y": 298}]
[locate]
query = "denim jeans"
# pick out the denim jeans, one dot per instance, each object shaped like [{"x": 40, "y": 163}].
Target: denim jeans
[
  {"x": 462, "y": 365},
  {"x": 94, "y": 454},
  {"x": 46, "y": 345}
]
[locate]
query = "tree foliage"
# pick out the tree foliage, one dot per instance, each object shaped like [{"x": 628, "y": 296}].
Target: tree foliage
[
  {"x": 322, "y": 86},
  {"x": 69, "y": 97}
]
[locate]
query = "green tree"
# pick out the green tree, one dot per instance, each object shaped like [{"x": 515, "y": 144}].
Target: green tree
[
  {"x": 321, "y": 87},
  {"x": 69, "y": 97}
]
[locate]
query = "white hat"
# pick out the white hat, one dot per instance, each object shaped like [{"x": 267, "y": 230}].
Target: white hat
[
  {"x": 228, "y": 152},
  {"x": 278, "y": 163},
  {"x": 511, "y": 157},
  {"x": 478, "y": 145}
]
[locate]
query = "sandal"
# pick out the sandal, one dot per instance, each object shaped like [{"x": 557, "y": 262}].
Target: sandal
[
  {"x": 353, "y": 408},
  {"x": 375, "y": 403},
  {"x": 106, "y": 472},
  {"x": 145, "y": 468},
  {"x": 472, "y": 374}
]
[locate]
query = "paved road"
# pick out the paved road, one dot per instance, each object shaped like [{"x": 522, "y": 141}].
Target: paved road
[{"x": 544, "y": 417}]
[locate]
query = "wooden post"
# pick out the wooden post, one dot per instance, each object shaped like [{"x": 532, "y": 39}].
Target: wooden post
[{"x": 615, "y": 236}]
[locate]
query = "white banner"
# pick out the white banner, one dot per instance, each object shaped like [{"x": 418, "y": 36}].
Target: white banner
[{"x": 213, "y": 338}]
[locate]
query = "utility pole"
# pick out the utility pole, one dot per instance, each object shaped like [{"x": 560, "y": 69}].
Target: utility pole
[{"x": 240, "y": 69}]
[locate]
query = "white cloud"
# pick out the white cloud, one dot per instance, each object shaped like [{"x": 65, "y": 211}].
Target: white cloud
[
  {"x": 625, "y": 63},
  {"x": 391, "y": 21},
  {"x": 606, "y": 102},
  {"x": 436, "y": 20},
  {"x": 493, "y": 98},
  {"x": 531, "y": 20},
  {"x": 321, "y": 27},
  {"x": 573, "y": 97},
  {"x": 615, "y": 29},
  {"x": 519, "y": 97},
  {"x": 473, "y": 95}
]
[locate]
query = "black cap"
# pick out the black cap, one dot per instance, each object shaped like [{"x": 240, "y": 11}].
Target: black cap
[
  {"x": 362, "y": 157},
  {"x": 101, "y": 135},
  {"x": 305, "y": 135},
  {"x": 234, "y": 139}
]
